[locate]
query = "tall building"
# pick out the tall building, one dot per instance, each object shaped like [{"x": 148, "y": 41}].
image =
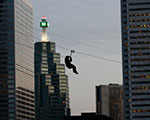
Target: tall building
[
  {"x": 135, "y": 19},
  {"x": 16, "y": 60},
  {"x": 109, "y": 101},
  {"x": 51, "y": 82},
  {"x": 102, "y": 100}
]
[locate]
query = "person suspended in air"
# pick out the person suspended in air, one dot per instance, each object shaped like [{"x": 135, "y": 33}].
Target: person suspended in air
[{"x": 69, "y": 65}]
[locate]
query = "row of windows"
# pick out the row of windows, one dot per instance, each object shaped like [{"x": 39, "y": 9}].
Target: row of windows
[
  {"x": 137, "y": 71},
  {"x": 6, "y": 34},
  {"x": 4, "y": 15},
  {"x": 142, "y": 65},
  {"x": 3, "y": 86},
  {"x": 141, "y": 94},
  {"x": 141, "y": 76},
  {"x": 141, "y": 116},
  {"x": 25, "y": 117},
  {"x": 25, "y": 94},
  {"x": 26, "y": 104},
  {"x": 139, "y": 20},
  {"x": 26, "y": 90},
  {"x": 144, "y": 42},
  {"x": 135, "y": 111},
  {"x": 140, "y": 3},
  {"x": 142, "y": 48},
  {"x": 6, "y": 1},
  {"x": 24, "y": 72},
  {"x": 141, "y": 31},
  {"x": 3, "y": 91},
  {"x": 24, "y": 7},
  {"x": 7, "y": 11},
  {"x": 146, "y": 99},
  {"x": 24, "y": 98},
  {"x": 139, "y": 9},
  {"x": 140, "y": 37},
  {"x": 24, "y": 23},
  {"x": 140, "y": 60},
  {"x": 50, "y": 44},
  {"x": 23, "y": 13},
  {"x": 139, "y": 26},
  {"x": 143, "y": 82},
  {"x": 6, "y": 6},
  {"x": 25, "y": 68},
  {"x": 141, "y": 88}
]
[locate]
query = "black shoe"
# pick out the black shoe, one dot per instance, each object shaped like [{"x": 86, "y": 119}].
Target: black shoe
[{"x": 75, "y": 71}]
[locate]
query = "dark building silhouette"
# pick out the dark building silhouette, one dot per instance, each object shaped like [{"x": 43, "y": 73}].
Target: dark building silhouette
[
  {"x": 16, "y": 60},
  {"x": 88, "y": 116},
  {"x": 109, "y": 101},
  {"x": 51, "y": 83}
]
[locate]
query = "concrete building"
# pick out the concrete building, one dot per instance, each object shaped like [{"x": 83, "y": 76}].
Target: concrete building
[
  {"x": 135, "y": 19},
  {"x": 109, "y": 101},
  {"x": 102, "y": 100},
  {"x": 16, "y": 60},
  {"x": 51, "y": 82}
]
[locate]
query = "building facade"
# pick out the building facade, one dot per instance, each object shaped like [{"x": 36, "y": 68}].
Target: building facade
[
  {"x": 51, "y": 83},
  {"x": 16, "y": 60},
  {"x": 135, "y": 19},
  {"x": 109, "y": 101},
  {"x": 102, "y": 100}
]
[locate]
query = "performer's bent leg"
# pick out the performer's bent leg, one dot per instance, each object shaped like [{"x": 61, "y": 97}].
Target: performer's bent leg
[{"x": 74, "y": 69}]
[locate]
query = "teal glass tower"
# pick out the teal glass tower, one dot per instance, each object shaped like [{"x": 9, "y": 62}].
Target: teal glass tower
[{"x": 51, "y": 82}]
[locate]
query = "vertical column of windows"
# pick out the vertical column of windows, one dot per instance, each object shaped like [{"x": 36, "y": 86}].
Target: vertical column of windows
[{"x": 7, "y": 104}]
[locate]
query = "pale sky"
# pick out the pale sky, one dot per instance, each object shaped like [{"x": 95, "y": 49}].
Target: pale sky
[{"x": 94, "y": 22}]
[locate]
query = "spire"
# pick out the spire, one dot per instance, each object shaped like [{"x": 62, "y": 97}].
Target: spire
[{"x": 44, "y": 25}]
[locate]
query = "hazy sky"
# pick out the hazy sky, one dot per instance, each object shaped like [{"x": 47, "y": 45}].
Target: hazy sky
[{"x": 95, "y": 22}]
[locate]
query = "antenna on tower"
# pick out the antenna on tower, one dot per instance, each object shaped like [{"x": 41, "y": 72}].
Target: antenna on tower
[{"x": 44, "y": 24}]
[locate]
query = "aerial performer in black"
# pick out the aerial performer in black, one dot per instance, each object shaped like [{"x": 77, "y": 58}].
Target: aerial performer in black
[{"x": 68, "y": 60}]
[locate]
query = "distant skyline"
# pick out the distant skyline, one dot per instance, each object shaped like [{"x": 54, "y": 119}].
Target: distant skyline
[{"x": 90, "y": 21}]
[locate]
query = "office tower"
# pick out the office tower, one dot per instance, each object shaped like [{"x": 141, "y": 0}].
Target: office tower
[
  {"x": 135, "y": 19},
  {"x": 51, "y": 82},
  {"x": 16, "y": 60},
  {"x": 102, "y": 100},
  {"x": 109, "y": 101},
  {"x": 116, "y": 101}
]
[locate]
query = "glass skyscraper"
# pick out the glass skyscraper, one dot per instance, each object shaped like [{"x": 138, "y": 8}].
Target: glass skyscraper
[
  {"x": 16, "y": 60},
  {"x": 135, "y": 15},
  {"x": 51, "y": 83}
]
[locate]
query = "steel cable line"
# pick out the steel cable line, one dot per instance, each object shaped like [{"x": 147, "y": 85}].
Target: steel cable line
[
  {"x": 83, "y": 43},
  {"x": 89, "y": 55},
  {"x": 78, "y": 52},
  {"x": 86, "y": 54}
]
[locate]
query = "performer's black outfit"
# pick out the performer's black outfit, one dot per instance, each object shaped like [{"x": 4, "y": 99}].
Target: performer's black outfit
[{"x": 68, "y": 61}]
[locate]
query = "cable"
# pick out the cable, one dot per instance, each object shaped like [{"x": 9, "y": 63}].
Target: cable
[
  {"x": 90, "y": 45},
  {"x": 86, "y": 44},
  {"x": 86, "y": 54}
]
